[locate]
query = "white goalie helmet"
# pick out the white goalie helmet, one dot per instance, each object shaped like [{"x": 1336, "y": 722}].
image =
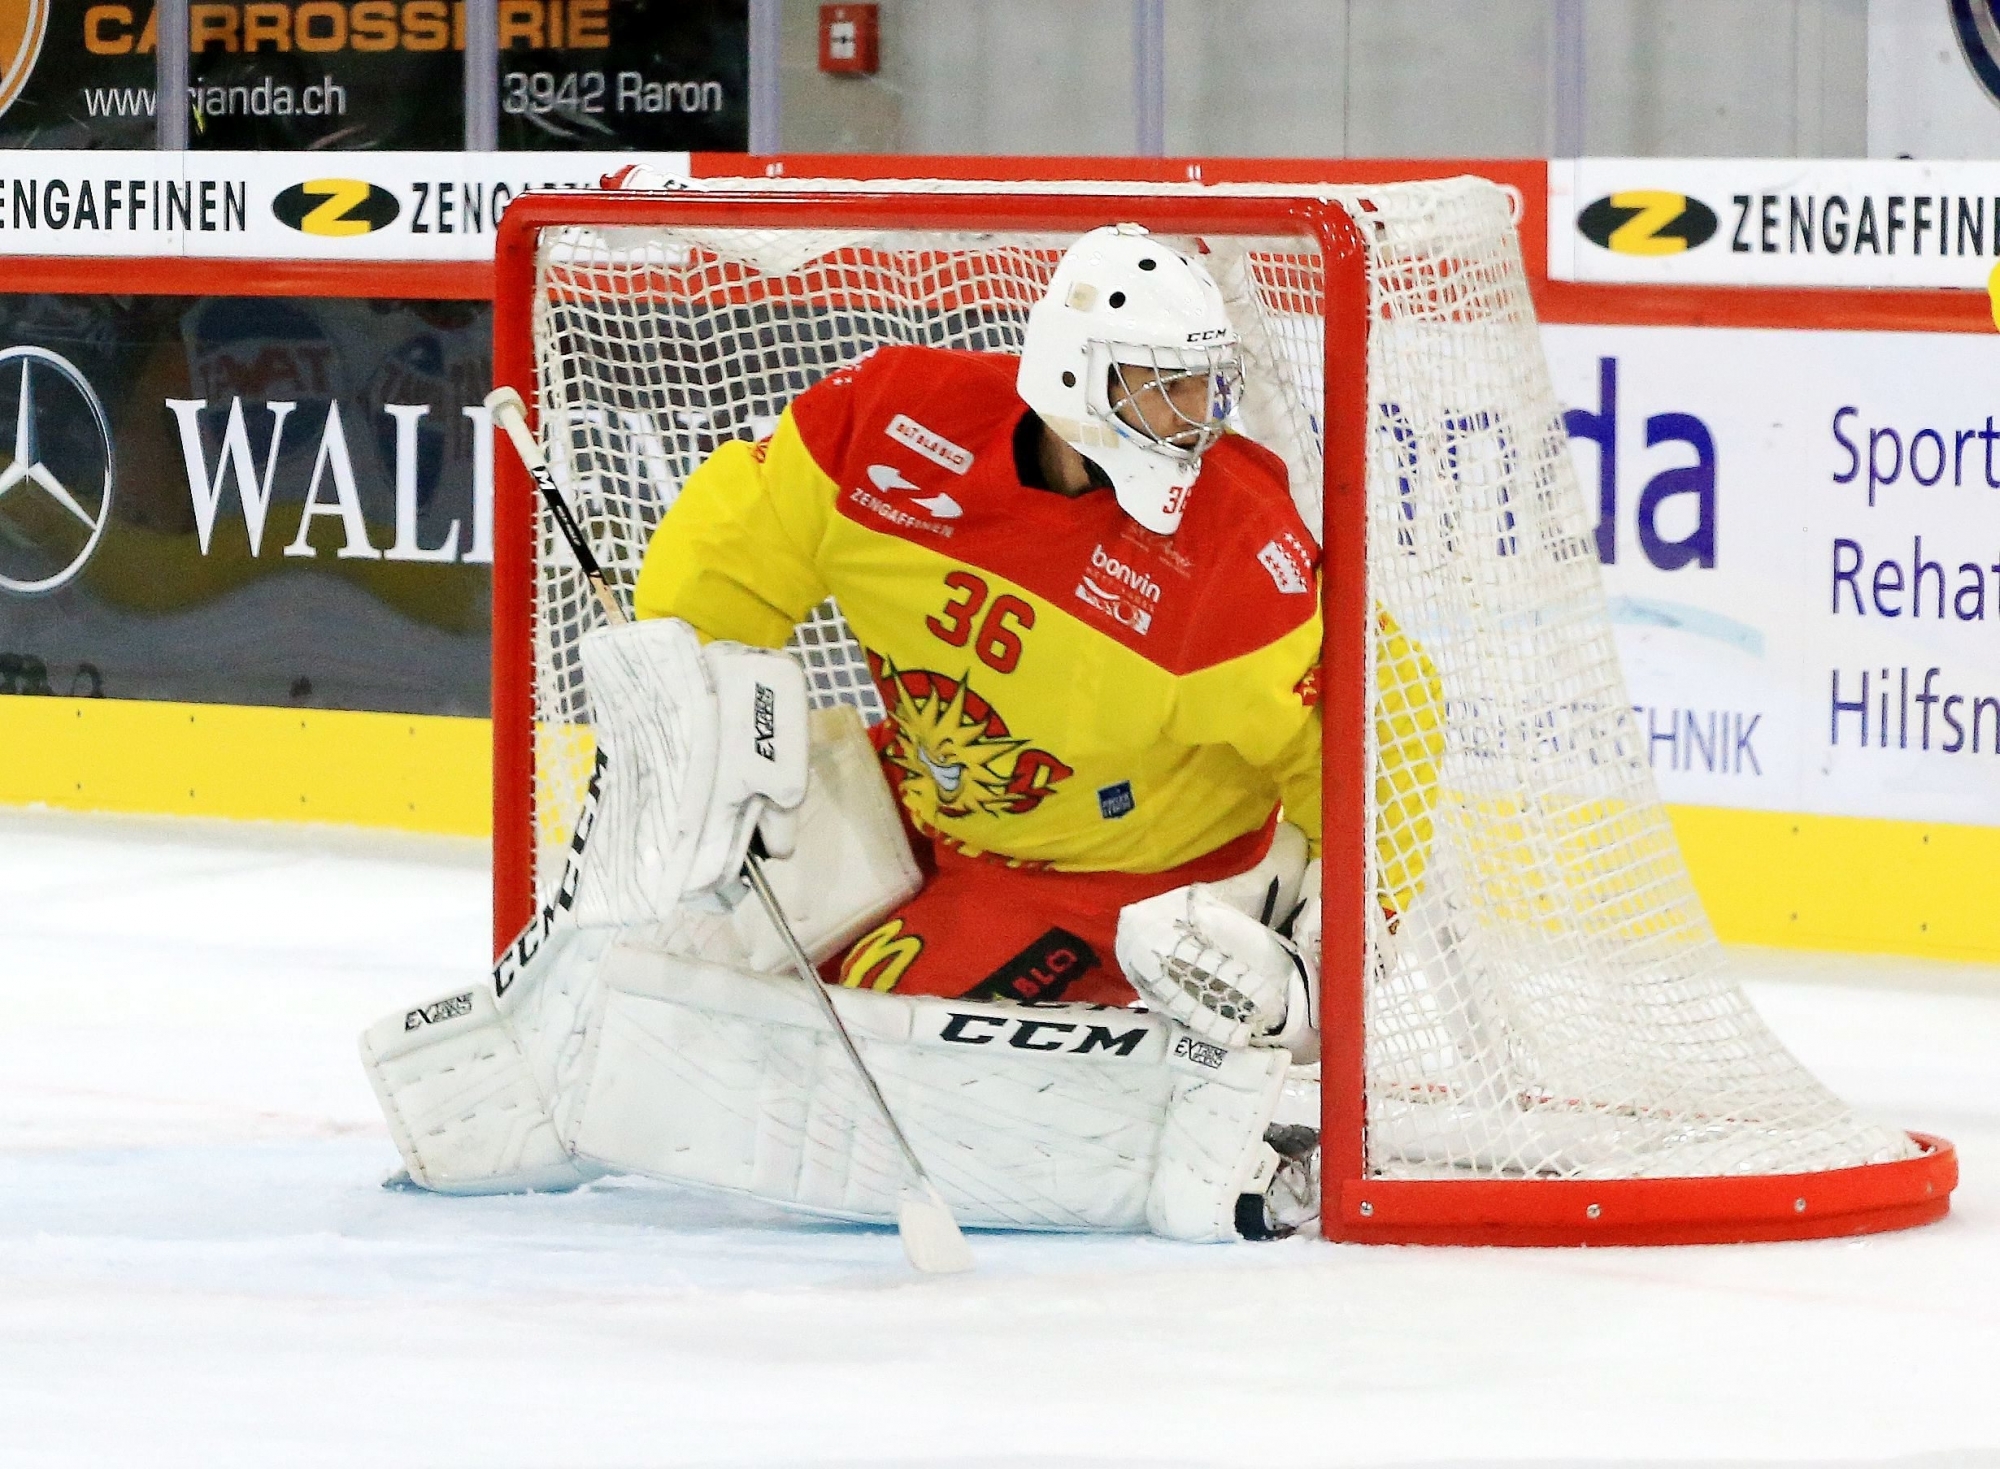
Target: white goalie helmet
[{"x": 1126, "y": 307}]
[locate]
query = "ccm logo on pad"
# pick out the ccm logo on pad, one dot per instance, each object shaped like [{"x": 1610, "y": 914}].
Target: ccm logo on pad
[
  {"x": 934, "y": 447},
  {"x": 1041, "y": 1035},
  {"x": 443, "y": 1010}
]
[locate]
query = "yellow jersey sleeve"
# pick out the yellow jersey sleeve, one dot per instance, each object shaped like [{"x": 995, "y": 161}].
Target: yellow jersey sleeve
[
  {"x": 1258, "y": 706},
  {"x": 1409, "y": 747},
  {"x": 736, "y": 554},
  {"x": 1062, "y": 689},
  {"x": 1255, "y": 705}
]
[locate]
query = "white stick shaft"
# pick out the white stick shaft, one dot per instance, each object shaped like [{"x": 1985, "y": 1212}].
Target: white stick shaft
[
  {"x": 931, "y": 1237},
  {"x": 753, "y": 869},
  {"x": 511, "y": 414}
]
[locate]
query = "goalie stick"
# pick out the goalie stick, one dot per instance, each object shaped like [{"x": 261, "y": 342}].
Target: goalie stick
[{"x": 931, "y": 1237}]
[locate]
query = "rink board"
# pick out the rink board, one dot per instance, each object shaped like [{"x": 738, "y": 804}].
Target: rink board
[
  {"x": 1812, "y": 416},
  {"x": 1766, "y": 877},
  {"x": 412, "y": 772}
]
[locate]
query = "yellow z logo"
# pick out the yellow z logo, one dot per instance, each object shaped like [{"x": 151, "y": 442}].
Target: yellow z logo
[
  {"x": 1647, "y": 222},
  {"x": 336, "y": 208}
]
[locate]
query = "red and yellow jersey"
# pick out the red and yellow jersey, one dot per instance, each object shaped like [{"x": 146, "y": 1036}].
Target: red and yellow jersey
[{"x": 1065, "y": 688}]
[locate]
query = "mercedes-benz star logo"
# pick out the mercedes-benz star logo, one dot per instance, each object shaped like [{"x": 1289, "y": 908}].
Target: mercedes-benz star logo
[
  {"x": 1977, "y": 24},
  {"x": 55, "y": 494}
]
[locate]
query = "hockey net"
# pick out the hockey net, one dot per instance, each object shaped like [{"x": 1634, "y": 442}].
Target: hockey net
[{"x": 1552, "y": 1006}]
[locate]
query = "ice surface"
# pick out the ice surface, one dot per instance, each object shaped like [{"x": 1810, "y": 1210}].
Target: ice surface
[{"x": 199, "y": 1267}]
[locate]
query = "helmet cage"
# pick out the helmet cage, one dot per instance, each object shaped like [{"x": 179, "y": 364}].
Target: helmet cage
[{"x": 1147, "y": 375}]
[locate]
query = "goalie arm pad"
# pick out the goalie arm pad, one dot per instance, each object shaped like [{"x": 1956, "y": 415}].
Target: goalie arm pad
[
  {"x": 706, "y": 747},
  {"x": 1309, "y": 921},
  {"x": 851, "y": 865}
]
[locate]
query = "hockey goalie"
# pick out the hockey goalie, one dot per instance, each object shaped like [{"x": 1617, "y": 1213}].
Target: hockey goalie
[{"x": 1066, "y": 892}]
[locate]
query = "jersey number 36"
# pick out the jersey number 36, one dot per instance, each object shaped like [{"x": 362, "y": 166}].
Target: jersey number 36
[{"x": 999, "y": 640}]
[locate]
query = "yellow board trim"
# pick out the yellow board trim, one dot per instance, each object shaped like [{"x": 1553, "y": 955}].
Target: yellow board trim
[
  {"x": 1844, "y": 882},
  {"x": 1811, "y": 882},
  {"x": 413, "y": 772}
]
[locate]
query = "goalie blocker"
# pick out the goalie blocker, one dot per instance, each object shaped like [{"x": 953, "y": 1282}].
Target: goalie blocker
[{"x": 630, "y": 1033}]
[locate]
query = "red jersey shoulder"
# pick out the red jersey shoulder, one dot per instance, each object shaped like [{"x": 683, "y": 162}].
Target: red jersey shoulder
[
  {"x": 1242, "y": 481},
  {"x": 933, "y": 401},
  {"x": 1255, "y": 561}
]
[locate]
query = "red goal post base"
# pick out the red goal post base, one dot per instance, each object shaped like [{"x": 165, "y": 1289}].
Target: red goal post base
[{"x": 1649, "y": 1211}]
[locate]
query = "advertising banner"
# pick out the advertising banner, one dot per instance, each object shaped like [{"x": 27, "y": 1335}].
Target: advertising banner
[
  {"x": 659, "y": 75},
  {"x": 311, "y": 74},
  {"x": 246, "y": 500},
  {"x": 575, "y": 75},
  {"x": 1801, "y": 538},
  {"x": 276, "y": 206},
  {"x": 75, "y": 76},
  {"x": 1774, "y": 222}
]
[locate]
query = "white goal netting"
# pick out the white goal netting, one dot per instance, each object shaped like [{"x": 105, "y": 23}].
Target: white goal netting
[{"x": 1552, "y": 1001}]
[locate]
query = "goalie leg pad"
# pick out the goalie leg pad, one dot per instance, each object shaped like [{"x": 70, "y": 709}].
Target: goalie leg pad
[
  {"x": 1212, "y": 1148},
  {"x": 1043, "y": 1117},
  {"x": 713, "y": 1076},
  {"x": 462, "y": 1097},
  {"x": 477, "y": 1085}
]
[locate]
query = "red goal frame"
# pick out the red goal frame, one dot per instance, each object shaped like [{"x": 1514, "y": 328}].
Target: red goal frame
[{"x": 1356, "y": 1207}]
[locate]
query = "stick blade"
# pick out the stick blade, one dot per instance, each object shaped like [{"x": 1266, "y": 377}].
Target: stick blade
[{"x": 931, "y": 1237}]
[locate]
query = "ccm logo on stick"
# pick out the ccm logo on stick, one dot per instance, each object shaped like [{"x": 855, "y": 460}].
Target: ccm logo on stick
[{"x": 1041, "y": 1035}]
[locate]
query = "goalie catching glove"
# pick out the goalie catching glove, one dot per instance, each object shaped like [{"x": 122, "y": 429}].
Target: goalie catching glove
[{"x": 1204, "y": 955}]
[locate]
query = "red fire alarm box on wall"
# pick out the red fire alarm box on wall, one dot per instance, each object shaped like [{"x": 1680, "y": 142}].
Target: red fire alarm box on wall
[{"x": 848, "y": 36}]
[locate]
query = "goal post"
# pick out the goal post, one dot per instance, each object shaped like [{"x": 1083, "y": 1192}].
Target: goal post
[{"x": 1530, "y": 1034}]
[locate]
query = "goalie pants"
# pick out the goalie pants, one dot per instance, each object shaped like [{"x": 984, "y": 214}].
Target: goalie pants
[{"x": 981, "y": 929}]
